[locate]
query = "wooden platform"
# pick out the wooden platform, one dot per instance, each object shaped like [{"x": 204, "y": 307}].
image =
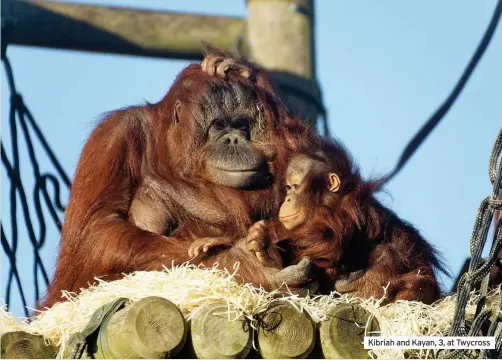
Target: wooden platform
[{"x": 154, "y": 327}]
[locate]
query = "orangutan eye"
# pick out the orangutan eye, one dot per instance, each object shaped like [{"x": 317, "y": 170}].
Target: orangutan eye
[
  {"x": 288, "y": 187},
  {"x": 242, "y": 124},
  {"x": 218, "y": 124}
]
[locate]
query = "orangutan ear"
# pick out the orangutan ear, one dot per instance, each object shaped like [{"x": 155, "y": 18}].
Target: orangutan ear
[
  {"x": 177, "y": 111},
  {"x": 334, "y": 182}
]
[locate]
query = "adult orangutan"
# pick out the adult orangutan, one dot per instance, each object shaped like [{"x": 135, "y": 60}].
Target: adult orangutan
[
  {"x": 331, "y": 216},
  {"x": 213, "y": 145}
]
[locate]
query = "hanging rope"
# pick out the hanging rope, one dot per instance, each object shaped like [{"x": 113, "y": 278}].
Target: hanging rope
[
  {"x": 45, "y": 183},
  {"x": 439, "y": 114},
  {"x": 479, "y": 269}
]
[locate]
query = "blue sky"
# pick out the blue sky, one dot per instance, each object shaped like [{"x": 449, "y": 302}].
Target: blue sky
[{"x": 383, "y": 66}]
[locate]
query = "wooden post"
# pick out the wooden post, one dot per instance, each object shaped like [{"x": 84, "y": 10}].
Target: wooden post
[
  {"x": 150, "y": 328},
  {"x": 286, "y": 333},
  {"x": 278, "y": 34},
  {"x": 280, "y": 37},
  {"x": 215, "y": 336}
]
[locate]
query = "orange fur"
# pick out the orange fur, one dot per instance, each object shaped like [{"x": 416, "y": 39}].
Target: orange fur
[
  {"x": 98, "y": 240},
  {"x": 350, "y": 231}
]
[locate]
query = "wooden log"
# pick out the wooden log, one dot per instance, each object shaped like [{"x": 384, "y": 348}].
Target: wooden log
[
  {"x": 151, "y": 328},
  {"x": 115, "y": 30},
  {"x": 286, "y": 333},
  {"x": 22, "y": 345},
  {"x": 342, "y": 335},
  {"x": 216, "y": 333}
]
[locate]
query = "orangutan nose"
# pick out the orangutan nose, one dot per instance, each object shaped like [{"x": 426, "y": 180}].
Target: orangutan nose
[{"x": 231, "y": 139}]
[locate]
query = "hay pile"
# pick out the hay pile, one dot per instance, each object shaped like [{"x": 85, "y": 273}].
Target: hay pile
[{"x": 188, "y": 287}]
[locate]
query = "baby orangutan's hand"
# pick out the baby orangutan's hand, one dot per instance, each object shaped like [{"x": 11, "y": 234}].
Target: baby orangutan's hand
[
  {"x": 206, "y": 243},
  {"x": 258, "y": 241}
]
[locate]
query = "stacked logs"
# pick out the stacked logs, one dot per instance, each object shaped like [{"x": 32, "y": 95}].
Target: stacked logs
[
  {"x": 155, "y": 328},
  {"x": 21, "y": 345}
]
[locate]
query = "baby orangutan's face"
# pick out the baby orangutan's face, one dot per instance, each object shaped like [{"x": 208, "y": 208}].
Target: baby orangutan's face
[{"x": 301, "y": 179}]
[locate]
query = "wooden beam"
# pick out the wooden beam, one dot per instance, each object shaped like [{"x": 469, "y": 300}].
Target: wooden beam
[
  {"x": 115, "y": 30},
  {"x": 280, "y": 37}
]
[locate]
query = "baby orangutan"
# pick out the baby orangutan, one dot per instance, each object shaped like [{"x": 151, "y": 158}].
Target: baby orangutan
[{"x": 361, "y": 247}]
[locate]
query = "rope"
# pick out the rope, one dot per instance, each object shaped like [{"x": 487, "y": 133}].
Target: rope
[
  {"x": 479, "y": 269},
  {"x": 19, "y": 114},
  {"x": 439, "y": 114}
]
